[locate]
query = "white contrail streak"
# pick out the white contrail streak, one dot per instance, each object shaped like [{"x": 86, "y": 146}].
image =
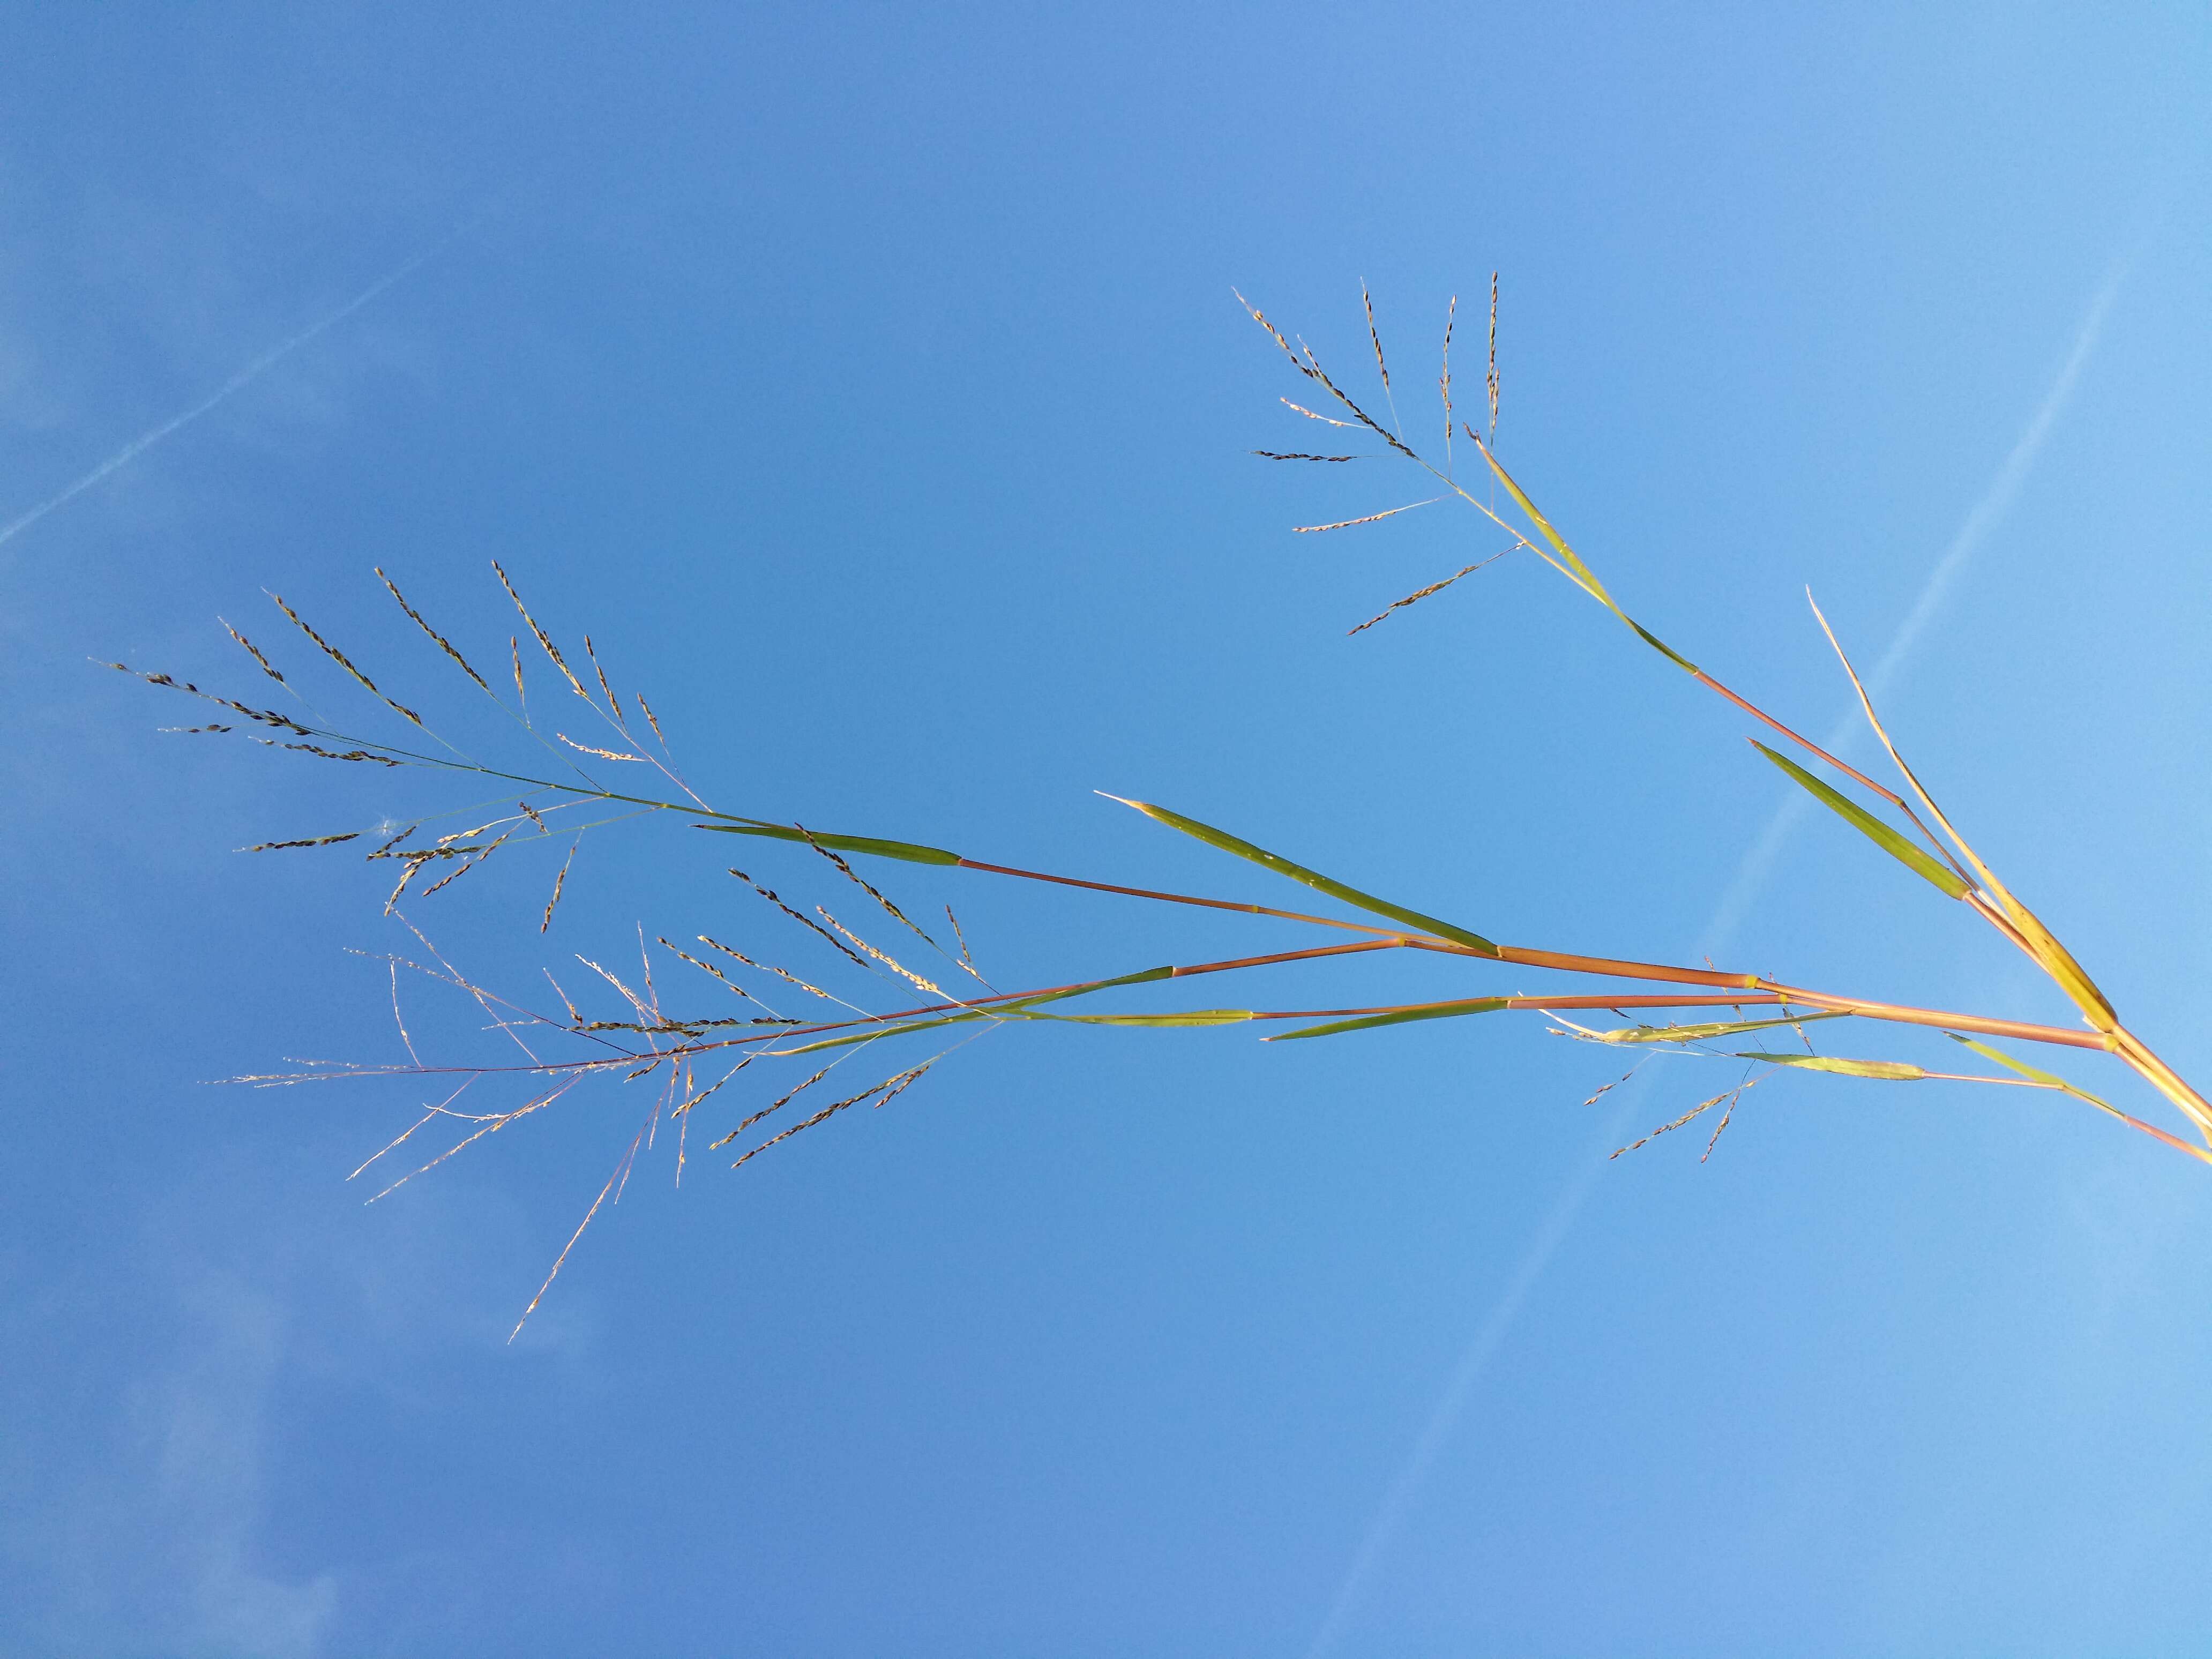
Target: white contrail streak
[
  {"x": 2005, "y": 486},
  {"x": 1751, "y": 877},
  {"x": 1758, "y": 863},
  {"x": 138, "y": 445}
]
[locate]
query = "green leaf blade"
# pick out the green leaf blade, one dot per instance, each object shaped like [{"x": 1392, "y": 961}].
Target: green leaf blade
[
  {"x": 1186, "y": 1018},
  {"x": 1145, "y": 976},
  {"x": 2047, "y": 1080},
  {"x": 1888, "y": 1071},
  {"x": 1396, "y": 1017},
  {"x": 868, "y": 845},
  {"x": 877, "y": 1033},
  {"x": 1892, "y": 842},
  {"x": 1635, "y": 1034},
  {"x": 1575, "y": 570},
  {"x": 1222, "y": 840}
]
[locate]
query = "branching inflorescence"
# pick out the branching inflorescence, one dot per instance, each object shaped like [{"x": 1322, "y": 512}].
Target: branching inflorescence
[{"x": 689, "y": 1059}]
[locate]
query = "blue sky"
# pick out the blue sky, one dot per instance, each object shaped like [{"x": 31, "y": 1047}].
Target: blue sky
[{"x": 868, "y": 384}]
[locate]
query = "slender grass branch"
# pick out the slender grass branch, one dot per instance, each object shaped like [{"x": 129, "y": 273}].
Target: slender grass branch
[{"x": 648, "y": 1039}]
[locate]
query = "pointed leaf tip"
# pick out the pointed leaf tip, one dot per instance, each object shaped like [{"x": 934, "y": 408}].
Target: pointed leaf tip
[
  {"x": 1891, "y": 1070},
  {"x": 1226, "y": 842},
  {"x": 1395, "y": 1017},
  {"x": 1890, "y": 841},
  {"x": 867, "y": 846}
]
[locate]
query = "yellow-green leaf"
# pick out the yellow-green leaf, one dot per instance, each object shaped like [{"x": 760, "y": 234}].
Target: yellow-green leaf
[
  {"x": 2048, "y": 1079},
  {"x": 1892, "y": 1070},
  {"x": 2058, "y": 962},
  {"x": 1397, "y": 1017},
  {"x": 876, "y": 1033},
  {"x": 1882, "y": 834},
  {"x": 867, "y": 845},
  {"x": 1698, "y": 1033},
  {"x": 1575, "y": 570},
  {"x": 1145, "y": 976},
  {"x": 1282, "y": 866}
]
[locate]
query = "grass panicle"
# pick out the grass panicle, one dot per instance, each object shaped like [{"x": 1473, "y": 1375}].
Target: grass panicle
[{"x": 682, "y": 1058}]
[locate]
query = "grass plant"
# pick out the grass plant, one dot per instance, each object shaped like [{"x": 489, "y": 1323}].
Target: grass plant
[{"x": 928, "y": 996}]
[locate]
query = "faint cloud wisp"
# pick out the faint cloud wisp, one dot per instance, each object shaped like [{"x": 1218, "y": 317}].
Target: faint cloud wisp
[{"x": 253, "y": 371}]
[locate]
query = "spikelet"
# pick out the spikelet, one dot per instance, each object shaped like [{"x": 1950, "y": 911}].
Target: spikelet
[
  {"x": 613, "y": 702},
  {"x": 604, "y": 754},
  {"x": 1327, "y": 420},
  {"x": 340, "y": 658},
  {"x": 729, "y": 984},
  {"x": 765, "y": 1111},
  {"x": 444, "y": 643},
  {"x": 1415, "y": 599},
  {"x": 261, "y": 716},
  {"x": 253, "y": 650},
  {"x": 769, "y": 967},
  {"x": 854, "y": 877},
  {"x": 888, "y": 961},
  {"x": 1491, "y": 384},
  {"x": 1372, "y": 518},
  {"x": 857, "y": 961},
  {"x": 1381, "y": 367},
  {"x": 552, "y": 651},
  {"x": 1443, "y": 379},
  {"x": 650, "y": 720},
  {"x": 889, "y": 1089},
  {"x": 560, "y": 881},
  {"x": 1693, "y": 1111},
  {"x": 966, "y": 960},
  {"x": 333, "y": 753}
]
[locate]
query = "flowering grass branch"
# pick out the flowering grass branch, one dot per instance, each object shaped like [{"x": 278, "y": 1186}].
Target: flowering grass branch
[{"x": 692, "y": 1056}]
